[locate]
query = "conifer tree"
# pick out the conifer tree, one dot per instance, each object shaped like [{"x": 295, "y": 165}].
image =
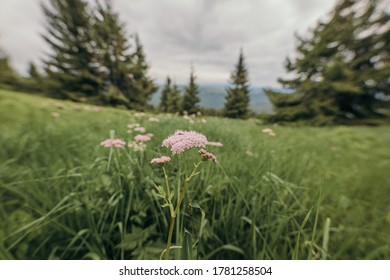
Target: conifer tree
[
  {"x": 237, "y": 98},
  {"x": 174, "y": 100},
  {"x": 8, "y": 77},
  {"x": 142, "y": 85},
  {"x": 114, "y": 56},
  {"x": 165, "y": 95},
  {"x": 72, "y": 64},
  {"x": 341, "y": 70},
  {"x": 35, "y": 81},
  {"x": 33, "y": 71},
  {"x": 191, "y": 96}
]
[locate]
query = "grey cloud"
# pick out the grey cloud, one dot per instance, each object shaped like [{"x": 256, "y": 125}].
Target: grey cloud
[{"x": 175, "y": 33}]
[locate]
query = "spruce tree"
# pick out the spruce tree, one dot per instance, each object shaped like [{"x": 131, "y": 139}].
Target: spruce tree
[
  {"x": 35, "y": 81},
  {"x": 174, "y": 100},
  {"x": 142, "y": 85},
  {"x": 237, "y": 98},
  {"x": 8, "y": 77},
  {"x": 341, "y": 70},
  {"x": 114, "y": 56},
  {"x": 191, "y": 96},
  {"x": 72, "y": 65},
  {"x": 165, "y": 95}
]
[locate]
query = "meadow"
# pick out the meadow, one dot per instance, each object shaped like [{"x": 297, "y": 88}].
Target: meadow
[{"x": 304, "y": 193}]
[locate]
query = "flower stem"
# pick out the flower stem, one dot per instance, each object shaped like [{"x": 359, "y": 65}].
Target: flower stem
[
  {"x": 166, "y": 255},
  {"x": 177, "y": 209}
]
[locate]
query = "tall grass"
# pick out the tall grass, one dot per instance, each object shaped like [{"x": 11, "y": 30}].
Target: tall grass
[{"x": 306, "y": 193}]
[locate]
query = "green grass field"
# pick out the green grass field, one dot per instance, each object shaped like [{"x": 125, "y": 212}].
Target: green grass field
[{"x": 305, "y": 193}]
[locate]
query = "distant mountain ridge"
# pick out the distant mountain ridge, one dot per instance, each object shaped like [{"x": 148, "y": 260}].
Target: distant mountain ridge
[{"x": 213, "y": 96}]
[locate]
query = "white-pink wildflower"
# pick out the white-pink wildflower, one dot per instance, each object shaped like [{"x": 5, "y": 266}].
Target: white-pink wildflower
[
  {"x": 153, "y": 119},
  {"x": 140, "y": 129},
  {"x": 268, "y": 131},
  {"x": 142, "y": 138},
  {"x": 160, "y": 160},
  {"x": 137, "y": 146},
  {"x": 139, "y": 115},
  {"x": 184, "y": 140},
  {"x": 207, "y": 155},
  {"x": 117, "y": 143},
  {"x": 132, "y": 125},
  {"x": 216, "y": 144}
]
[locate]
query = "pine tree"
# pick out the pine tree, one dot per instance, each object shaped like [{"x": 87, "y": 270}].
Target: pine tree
[
  {"x": 237, "y": 98},
  {"x": 33, "y": 71},
  {"x": 339, "y": 76},
  {"x": 191, "y": 96},
  {"x": 72, "y": 65},
  {"x": 174, "y": 100},
  {"x": 143, "y": 86},
  {"x": 8, "y": 77},
  {"x": 165, "y": 95},
  {"x": 35, "y": 81},
  {"x": 114, "y": 56}
]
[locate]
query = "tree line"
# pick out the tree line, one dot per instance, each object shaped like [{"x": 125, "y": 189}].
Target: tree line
[
  {"x": 341, "y": 71},
  {"x": 92, "y": 59}
]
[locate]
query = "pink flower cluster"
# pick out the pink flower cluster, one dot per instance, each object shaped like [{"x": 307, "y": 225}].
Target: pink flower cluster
[
  {"x": 207, "y": 155},
  {"x": 117, "y": 143},
  {"x": 140, "y": 129},
  {"x": 184, "y": 140},
  {"x": 142, "y": 138},
  {"x": 160, "y": 160}
]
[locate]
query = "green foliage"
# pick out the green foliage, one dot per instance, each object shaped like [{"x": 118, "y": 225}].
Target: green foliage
[
  {"x": 237, "y": 98},
  {"x": 142, "y": 86},
  {"x": 8, "y": 77},
  {"x": 174, "y": 100},
  {"x": 92, "y": 58},
  {"x": 62, "y": 196},
  {"x": 191, "y": 96},
  {"x": 339, "y": 76},
  {"x": 165, "y": 95},
  {"x": 113, "y": 55},
  {"x": 170, "y": 98},
  {"x": 72, "y": 64}
]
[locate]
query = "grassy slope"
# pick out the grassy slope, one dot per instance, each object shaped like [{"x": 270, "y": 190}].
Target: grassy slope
[{"x": 54, "y": 179}]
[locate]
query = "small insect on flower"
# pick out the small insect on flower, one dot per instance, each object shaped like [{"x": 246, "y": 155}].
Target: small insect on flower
[
  {"x": 142, "y": 138},
  {"x": 207, "y": 155},
  {"x": 116, "y": 143},
  {"x": 184, "y": 140},
  {"x": 160, "y": 160}
]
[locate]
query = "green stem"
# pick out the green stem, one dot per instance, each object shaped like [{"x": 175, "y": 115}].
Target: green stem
[
  {"x": 166, "y": 181},
  {"x": 166, "y": 255},
  {"x": 177, "y": 209},
  {"x": 168, "y": 192}
]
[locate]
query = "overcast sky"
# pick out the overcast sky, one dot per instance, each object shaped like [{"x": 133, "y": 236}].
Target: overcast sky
[{"x": 208, "y": 33}]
